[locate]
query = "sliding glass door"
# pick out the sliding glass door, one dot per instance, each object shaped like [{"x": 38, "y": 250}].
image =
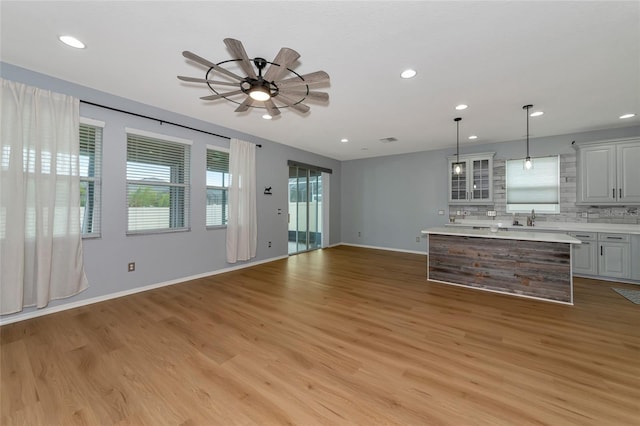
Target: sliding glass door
[{"x": 305, "y": 209}]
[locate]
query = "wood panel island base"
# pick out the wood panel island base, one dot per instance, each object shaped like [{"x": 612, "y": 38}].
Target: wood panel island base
[{"x": 527, "y": 264}]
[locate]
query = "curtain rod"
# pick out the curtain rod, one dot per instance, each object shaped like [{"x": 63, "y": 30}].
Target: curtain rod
[{"x": 158, "y": 120}]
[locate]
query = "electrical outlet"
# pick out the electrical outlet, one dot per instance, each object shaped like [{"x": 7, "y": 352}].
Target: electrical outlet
[
  {"x": 417, "y": 239},
  {"x": 441, "y": 212},
  {"x": 491, "y": 213},
  {"x": 131, "y": 266},
  {"x": 269, "y": 243},
  {"x": 585, "y": 214}
]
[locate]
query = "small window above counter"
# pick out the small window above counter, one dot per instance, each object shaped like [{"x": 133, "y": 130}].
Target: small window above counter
[{"x": 474, "y": 183}]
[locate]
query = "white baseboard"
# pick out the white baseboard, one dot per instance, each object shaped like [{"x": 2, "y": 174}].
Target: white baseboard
[
  {"x": 79, "y": 303},
  {"x": 382, "y": 248}
]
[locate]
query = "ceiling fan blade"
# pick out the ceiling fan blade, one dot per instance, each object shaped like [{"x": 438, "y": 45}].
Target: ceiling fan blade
[
  {"x": 204, "y": 80},
  {"x": 244, "y": 106},
  {"x": 203, "y": 61},
  {"x": 292, "y": 103},
  {"x": 237, "y": 49},
  {"x": 317, "y": 96},
  {"x": 285, "y": 58},
  {"x": 271, "y": 108},
  {"x": 311, "y": 78},
  {"x": 221, "y": 95}
]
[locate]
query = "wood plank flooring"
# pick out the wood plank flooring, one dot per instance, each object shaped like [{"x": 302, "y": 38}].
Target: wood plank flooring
[{"x": 339, "y": 336}]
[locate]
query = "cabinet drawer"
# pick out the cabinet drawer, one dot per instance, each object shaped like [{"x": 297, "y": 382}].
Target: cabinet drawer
[
  {"x": 614, "y": 238},
  {"x": 584, "y": 236}
]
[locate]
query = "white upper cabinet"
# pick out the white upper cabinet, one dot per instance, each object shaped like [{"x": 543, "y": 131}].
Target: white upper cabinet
[
  {"x": 629, "y": 172},
  {"x": 608, "y": 172},
  {"x": 474, "y": 183}
]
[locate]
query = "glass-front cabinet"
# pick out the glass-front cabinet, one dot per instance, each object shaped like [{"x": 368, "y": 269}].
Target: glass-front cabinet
[{"x": 474, "y": 183}]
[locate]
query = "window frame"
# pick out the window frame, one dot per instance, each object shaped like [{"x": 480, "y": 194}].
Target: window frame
[
  {"x": 95, "y": 181},
  {"x": 539, "y": 207},
  {"x": 179, "y": 218},
  {"x": 224, "y": 188}
]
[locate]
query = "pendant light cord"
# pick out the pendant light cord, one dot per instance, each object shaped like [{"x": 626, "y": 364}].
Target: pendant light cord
[
  {"x": 526, "y": 108},
  {"x": 457, "y": 120}
]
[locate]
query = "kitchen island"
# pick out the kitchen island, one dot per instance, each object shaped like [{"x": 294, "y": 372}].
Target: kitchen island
[{"x": 528, "y": 264}]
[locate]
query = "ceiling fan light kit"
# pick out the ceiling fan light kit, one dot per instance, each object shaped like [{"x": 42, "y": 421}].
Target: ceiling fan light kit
[{"x": 279, "y": 86}]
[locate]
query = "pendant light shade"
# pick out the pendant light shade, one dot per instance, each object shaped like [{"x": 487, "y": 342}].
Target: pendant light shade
[
  {"x": 528, "y": 163},
  {"x": 457, "y": 166}
]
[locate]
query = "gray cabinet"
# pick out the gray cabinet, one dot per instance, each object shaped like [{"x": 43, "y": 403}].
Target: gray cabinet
[
  {"x": 474, "y": 184},
  {"x": 584, "y": 256},
  {"x": 608, "y": 172},
  {"x": 614, "y": 258}
]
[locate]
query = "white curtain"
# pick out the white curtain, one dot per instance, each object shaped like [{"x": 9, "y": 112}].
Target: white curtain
[
  {"x": 242, "y": 229},
  {"x": 40, "y": 240}
]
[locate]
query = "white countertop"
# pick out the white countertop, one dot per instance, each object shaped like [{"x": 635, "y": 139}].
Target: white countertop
[
  {"x": 502, "y": 234},
  {"x": 554, "y": 226}
]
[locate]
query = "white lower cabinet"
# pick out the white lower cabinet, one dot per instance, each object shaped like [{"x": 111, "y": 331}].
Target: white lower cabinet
[
  {"x": 614, "y": 256},
  {"x": 585, "y": 255},
  {"x": 605, "y": 255}
]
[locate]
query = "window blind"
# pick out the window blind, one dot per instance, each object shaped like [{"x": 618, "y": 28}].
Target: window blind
[
  {"x": 158, "y": 174},
  {"x": 90, "y": 179},
  {"x": 535, "y": 189},
  {"x": 217, "y": 188}
]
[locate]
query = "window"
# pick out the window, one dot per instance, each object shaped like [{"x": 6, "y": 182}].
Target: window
[
  {"x": 90, "y": 175},
  {"x": 157, "y": 183},
  {"x": 217, "y": 187},
  {"x": 536, "y": 189}
]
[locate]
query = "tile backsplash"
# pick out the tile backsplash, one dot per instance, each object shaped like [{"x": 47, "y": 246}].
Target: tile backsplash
[{"x": 569, "y": 212}]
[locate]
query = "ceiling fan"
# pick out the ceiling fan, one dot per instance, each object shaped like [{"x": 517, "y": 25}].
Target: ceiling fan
[{"x": 276, "y": 87}]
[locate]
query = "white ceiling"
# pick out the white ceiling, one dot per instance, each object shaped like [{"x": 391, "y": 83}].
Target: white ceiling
[{"x": 579, "y": 62}]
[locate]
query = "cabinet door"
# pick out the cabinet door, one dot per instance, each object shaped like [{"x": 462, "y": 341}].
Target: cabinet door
[
  {"x": 614, "y": 260},
  {"x": 481, "y": 179},
  {"x": 458, "y": 182},
  {"x": 598, "y": 174},
  {"x": 585, "y": 258},
  {"x": 628, "y": 172}
]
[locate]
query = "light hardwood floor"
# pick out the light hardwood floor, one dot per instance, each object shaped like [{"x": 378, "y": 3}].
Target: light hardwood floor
[{"x": 337, "y": 336}]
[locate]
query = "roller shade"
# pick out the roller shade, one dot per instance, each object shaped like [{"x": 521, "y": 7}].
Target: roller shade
[{"x": 538, "y": 188}]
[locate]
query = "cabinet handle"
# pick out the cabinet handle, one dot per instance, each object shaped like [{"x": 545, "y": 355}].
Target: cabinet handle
[
  {"x": 583, "y": 236},
  {"x": 613, "y": 195},
  {"x": 614, "y": 238},
  {"x": 620, "y": 197},
  {"x": 600, "y": 250}
]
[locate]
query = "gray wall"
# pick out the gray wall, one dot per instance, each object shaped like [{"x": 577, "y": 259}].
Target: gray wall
[
  {"x": 388, "y": 200},
  {"x": 165, "y": 257}
]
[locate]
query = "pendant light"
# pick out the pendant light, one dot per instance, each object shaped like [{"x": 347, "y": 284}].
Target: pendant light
[
  {"x": 457, "y": 166},
  {"x": 528, "y": 163}
]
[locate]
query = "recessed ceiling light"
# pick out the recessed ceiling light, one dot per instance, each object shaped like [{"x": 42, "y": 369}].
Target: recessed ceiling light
[
  {"x": 473, "y": 137},
  {"x": 627, "y": 115},
  {"x": 462, "y": 106},
  {"x": 72, "y": 41},
  {"x": 408, "y": 73},
  {"x": 536, "y": 114},
  {"x": 267, "y": 117},
  {"x": 343, "y": 140}
]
